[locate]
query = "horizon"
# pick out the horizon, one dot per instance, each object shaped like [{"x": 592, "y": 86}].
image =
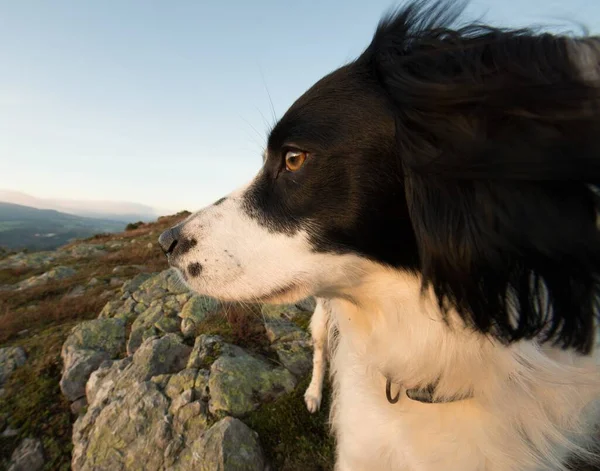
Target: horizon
[{"x": 169, "y": 105}]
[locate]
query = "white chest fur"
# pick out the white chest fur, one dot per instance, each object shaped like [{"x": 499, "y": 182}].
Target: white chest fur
[{"x": 531, "y": 406}]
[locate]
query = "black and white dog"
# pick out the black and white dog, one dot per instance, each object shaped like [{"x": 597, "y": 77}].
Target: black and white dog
[{"x": 441, "y": 193}]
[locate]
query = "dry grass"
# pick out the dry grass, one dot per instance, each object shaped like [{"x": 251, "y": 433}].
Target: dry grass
[
  {"x": 50, "y": 304},
  {"x": 46, "y": 305}
]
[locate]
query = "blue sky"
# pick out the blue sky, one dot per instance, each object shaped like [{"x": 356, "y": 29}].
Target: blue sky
[{"x": 166, "y": 103}]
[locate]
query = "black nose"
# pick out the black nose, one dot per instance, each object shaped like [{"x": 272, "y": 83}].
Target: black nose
[{"x": 168, "y": 240}]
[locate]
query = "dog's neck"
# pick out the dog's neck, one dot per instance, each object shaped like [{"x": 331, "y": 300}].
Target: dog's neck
[{"x": 401, "y": 333}]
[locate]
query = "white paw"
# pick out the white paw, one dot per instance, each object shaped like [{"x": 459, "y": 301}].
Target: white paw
[{"x": 313, "y": 401}]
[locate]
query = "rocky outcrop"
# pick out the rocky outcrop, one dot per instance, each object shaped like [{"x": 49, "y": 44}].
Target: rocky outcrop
[
  {"x": 89, "y": 344},
  {"x": 179, "y": 397},
  {"x": 28, "y": 456}
]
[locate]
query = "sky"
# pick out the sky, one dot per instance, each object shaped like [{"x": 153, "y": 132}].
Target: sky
[{"x": 168, "y": 103}]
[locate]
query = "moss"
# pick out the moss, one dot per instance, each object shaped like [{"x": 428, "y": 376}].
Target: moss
[
  {"x": 34, "y": 402},
  {"x": 303, "y": 321},
  {"x": 291, "y": 437}
]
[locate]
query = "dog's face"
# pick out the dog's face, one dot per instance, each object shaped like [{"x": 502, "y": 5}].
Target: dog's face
[{"x": 327, "y": 199}]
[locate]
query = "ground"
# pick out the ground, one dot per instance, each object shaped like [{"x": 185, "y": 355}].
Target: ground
[{"x": 40, "y": 316}]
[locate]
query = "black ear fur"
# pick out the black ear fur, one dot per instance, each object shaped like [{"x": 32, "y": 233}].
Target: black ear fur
[{"x": 499, "y": 142}]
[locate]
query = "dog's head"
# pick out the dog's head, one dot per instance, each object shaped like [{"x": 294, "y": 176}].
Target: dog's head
[{"x": 468, "y": 157}]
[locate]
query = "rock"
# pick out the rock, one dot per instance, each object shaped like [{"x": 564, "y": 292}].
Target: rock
[
  {"x": 78, "y": 406},
  {"x": 291, "y": 344},
  {"x": 295, "y": 355},
  {"x": 207, "y": 348},
  {"x": 149, "y": 246},
  {"x": 28, "y": 456},
  {"x": 307, "y": 305},
  {"x": 129, "y": 420},
  {"x": 115, "y": 282},
  {"x": 82, "y": 250},
  {"x": 144, "y": 327},
  {"x": 76, "y": 292},
  {"x": 167, "y": 325},
  {"x": 87, "y": 347},
  {"x": 129, "y": 433},
  {"x": 78, "y": 366},
  {"x": 195, "y": 312},
  {"x": 125, "y": 310},
  {"x": 105, "y": 378},
  {"x": 180, "y": 382},
  {"x": 30, "y": 260},
  {"x": 229, "y": 445},
  {"x": 11, "y": 358},
  {"x": 55, "y": 274},
  {"x": 239, "y": 383},
  {"x": 163, "y": 355},
  {"x": 106, "y": 335},
  {"x": 280, "y": 311},
  {"x": 133, "y": 284},
  {"x": 9, "y": 432},
  {"x": 93, "y": 282},
  {"x": 282, "y": 330}
]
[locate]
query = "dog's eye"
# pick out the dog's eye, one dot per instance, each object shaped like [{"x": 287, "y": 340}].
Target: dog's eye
[{"x": 294, "y": 159}]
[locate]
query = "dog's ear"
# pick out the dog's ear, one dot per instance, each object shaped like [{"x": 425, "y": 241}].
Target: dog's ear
[{"x": 499, "y": 143}]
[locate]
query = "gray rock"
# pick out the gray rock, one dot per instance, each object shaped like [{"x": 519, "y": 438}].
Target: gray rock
[
  {"x": 57, "y": 273},
  {"x": 114, "y": 282},
  {"x": 87, "y": 347},
  {"x": 207, "y": 348},
  {"x": 28, "y": 456},
  {"x": 239, "y": 383},
  {"x": 9, "y": 432},
  {"x": 195, "y": 312},
  {"x": 144, "y": 327},
  {"x": 229, "y": 445},
  {"x": 93, "y": 281},
  {"x": 78, "y": 406},
  {"x": 295, "y": 355},
  {"x": 107, "y": 335},
  {"x": 133, "y": 284},
  {"x": 78, "y": 366},
  {"x": 76, "y": 292},
  {"x": 308, "y": 304},
  {"x": 11, "y": 358},
  {"x": 128, "y": 433},
  {"x": 168, "y": 325},
  {"x": 282, "y": 330},
  {"x": 82, "y": 250},
  {"x": 156, "y": 356}
]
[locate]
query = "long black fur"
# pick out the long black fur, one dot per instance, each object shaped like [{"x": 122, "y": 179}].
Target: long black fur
[
  {"x": 469, "y": 154},
  {"x": 499, "y": 141}
]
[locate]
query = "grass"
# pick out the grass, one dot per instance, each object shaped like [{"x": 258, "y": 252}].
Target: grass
[
  {"x": 293, "y": 439},
  {"x": 34, "y": 403},
  {"x": 9, "y": 276}
]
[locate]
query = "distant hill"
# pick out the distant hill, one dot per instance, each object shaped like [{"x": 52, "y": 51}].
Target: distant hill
[
  {"x": 23, "y": 227},
  {"x": 112, "y": 210}
]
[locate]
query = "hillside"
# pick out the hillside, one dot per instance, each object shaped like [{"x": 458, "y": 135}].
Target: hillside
[
  {"x": 107, "y": 361},
  {"x": 24, "y": 227}
]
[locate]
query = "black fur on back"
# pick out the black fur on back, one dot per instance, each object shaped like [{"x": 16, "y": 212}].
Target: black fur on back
[{"x": 499, "y": 140}]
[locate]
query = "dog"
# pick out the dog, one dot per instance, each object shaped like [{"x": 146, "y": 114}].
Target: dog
[
  {"x": 321, "y": 331},
  {"x": 441, "y": 193}
]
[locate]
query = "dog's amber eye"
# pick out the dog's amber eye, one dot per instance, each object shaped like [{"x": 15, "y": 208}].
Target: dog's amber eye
[{"x": 294, "y": 159}]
